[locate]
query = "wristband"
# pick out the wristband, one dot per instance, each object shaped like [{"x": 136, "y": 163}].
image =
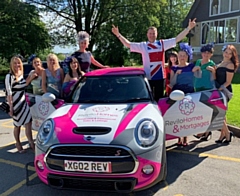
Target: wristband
[{"x": 119, "y": 36}]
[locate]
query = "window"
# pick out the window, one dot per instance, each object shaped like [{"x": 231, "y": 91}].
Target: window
[
  {"x": 220, "y": 31},
  {"x": 111, "y": 89},
  {"x": 231, "y": 30},
  {"x": 224, "y": 6},
  {"x": 214, "y": 7},
  {"x": 205, "y": 30},
  {"x": 235, "y": 5}
]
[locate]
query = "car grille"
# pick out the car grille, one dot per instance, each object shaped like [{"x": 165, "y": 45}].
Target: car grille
[
  {"x": 122, "y": 185},
  {"x": 122, "y": 159}
]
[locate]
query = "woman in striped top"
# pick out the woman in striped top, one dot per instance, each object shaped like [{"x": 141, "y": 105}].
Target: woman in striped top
[{"x": 19, "y": 109}]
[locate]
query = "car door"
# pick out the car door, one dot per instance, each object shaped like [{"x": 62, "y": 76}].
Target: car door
[
  {"x": 40, "y": 110},
  {"x": 195, "y": 113}
]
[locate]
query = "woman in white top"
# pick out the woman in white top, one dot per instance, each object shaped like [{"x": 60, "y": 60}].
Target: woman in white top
[{"x": 19, "y": 109}]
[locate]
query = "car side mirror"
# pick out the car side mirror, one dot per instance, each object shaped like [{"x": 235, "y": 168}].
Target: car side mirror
[
  {"x": 48, "y": 97},
  {"x": 177, "y": 95}
]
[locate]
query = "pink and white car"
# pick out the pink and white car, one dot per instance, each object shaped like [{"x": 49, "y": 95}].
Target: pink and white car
[{"x": 110, "y": 134}]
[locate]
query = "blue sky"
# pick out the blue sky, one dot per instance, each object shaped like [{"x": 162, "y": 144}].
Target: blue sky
[{"x": 68, "y": 49}]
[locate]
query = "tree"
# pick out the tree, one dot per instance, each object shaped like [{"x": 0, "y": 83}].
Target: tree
[
  {"x": 67, "y": 17},
  {"x": 21, "y": 30}
]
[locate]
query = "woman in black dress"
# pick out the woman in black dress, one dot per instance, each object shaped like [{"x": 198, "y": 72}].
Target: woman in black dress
[
  {"x": 223, "y": 76},
  {"x": 19, "y": 109}
]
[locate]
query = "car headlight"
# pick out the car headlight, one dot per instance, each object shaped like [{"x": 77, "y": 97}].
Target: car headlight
[
  {"x": 45, "y": 132},
  {"x": 146, "y": 133}
]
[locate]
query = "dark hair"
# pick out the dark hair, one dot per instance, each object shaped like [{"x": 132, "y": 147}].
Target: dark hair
[
  {"x": 73, "y": 59},
  {"x": 207, "y": 48},
  {"x": 234, "y": 57},
  {"x": 174, "y": 54}
]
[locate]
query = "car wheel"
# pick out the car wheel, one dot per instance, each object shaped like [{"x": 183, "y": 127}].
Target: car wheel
[{"x": 163, "y": 173}]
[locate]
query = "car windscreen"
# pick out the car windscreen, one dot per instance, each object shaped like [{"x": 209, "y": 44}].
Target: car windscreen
[{"x": 111, "y": 89}]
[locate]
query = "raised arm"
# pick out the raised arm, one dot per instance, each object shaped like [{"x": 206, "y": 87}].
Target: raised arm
[
  {"x": 191, "y": 24},
  {"x": 44, "y": 81},
  {"x": 124, "y": 41}
]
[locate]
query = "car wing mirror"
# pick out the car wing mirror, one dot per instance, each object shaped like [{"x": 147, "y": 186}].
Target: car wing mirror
[
  {"x": 48, "y": 97},
  {"x": 177, "y": 95}
]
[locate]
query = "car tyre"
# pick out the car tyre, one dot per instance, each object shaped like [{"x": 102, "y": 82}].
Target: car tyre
[{"x": 163, "y": 173}]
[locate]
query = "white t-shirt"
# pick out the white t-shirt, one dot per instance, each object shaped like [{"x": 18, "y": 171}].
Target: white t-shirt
[{"x": 153, "y": 56}]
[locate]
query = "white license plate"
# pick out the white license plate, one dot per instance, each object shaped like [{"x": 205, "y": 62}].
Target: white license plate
[{"x": 87, "y": 166}]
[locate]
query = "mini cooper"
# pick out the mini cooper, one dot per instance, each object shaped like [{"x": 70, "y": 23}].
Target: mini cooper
[{"x": 109, "y": 134}]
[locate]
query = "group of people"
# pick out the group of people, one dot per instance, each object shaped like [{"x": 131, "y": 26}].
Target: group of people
[
  {"x": 53, "y": 79},
  {"x": 43, "y": 80},
  {"x": 180, "y": 74}
]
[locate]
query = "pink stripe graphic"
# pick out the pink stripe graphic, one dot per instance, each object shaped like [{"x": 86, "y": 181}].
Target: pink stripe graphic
[
  {"x": 214, "y": 99},
  {"x": 163, "y": 105},
  {"x": 128, "y": 118},
  {"x": 64, "y": 126}
]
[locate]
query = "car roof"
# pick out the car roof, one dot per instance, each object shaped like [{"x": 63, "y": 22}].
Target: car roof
[{"x": 116, "y": 71}]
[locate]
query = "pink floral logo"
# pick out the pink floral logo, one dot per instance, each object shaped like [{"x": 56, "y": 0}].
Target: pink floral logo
[
  {"x": 43, "y": 108},
  {"x": 186, "y": 106},
  {"x": 101, "y": 109}
]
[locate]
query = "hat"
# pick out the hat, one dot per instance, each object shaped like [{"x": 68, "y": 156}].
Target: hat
[
  {"x": 83, "y": 35},
  {"x": 186, "y": 48},
  {"x": 207, "y": 48}
]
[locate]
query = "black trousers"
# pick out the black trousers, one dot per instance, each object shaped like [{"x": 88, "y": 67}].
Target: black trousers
[{"x": 157, "y": 87}]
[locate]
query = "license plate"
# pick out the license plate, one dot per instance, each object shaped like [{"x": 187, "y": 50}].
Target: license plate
[{"x": 87, "y": 166}]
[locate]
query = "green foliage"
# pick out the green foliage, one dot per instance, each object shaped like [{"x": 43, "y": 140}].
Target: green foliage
[
  {"x": 21, "y": 30},
  {"x": 4, "y": 66}
]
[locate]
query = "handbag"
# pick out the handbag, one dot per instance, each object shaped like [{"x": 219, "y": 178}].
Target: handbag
[{"x": 5, "y": 107}]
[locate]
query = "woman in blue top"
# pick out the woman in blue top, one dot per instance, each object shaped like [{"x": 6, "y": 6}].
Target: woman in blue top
[
  {"x": 182, "y": 76},
  {"x": 52, "y": 77}
]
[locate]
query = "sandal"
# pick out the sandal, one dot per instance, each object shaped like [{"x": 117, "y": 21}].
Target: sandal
[
  {"x": 179, "y": 143},
  {"x": 20, "y": 148},
  {"x": 32, "y": 145},
  {"x": 185, "y": 144}
]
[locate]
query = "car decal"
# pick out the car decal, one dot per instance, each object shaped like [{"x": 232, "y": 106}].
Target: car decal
[
  {"x": 64, "y": 128},
  {"x": 165, "y": 104},
  {"x": 135, "y": 110},
  {"x": 195, "y": 113}
]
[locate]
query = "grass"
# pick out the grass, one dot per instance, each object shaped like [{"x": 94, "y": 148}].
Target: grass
[{"x": 234, "y": 105}]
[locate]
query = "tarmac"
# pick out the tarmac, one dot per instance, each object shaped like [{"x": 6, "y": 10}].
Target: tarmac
[{"x": 235, "y": 130}]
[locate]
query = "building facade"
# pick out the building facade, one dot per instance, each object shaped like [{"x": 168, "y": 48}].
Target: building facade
[{"x": 218, "y": 22}]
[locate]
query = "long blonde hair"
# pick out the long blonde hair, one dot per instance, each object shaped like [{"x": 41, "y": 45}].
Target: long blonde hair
[
  {"x": 12, "y": 70},
  {"x": 53, "y": 56}
]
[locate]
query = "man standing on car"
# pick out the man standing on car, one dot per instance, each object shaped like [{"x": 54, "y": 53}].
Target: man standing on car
[{"x": 153, "y": 55}]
